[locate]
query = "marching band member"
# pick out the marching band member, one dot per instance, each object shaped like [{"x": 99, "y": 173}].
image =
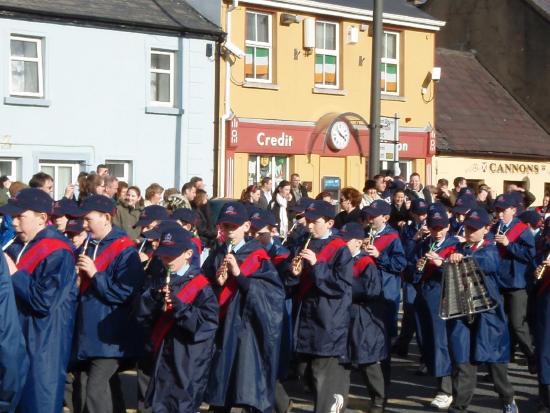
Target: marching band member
[
  {"x": 323, "y": 277},
  {"x": 251, "y": 298},
  {"x": 486, "y": 338},
  {"x": 516, "y": 246},
  {"x": 368, "y": 341},
  {"x": 44, "y": 281},
  {"x": 184, "y": 315},
  {"x": 428, "y": 260},
  {"x": 14, "y": 362},
  {"x": 106, "y": 332},
  {"x": 187, "y": 218}
]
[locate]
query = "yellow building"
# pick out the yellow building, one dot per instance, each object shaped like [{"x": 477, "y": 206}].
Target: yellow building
[{"x": 295, "y": 91}]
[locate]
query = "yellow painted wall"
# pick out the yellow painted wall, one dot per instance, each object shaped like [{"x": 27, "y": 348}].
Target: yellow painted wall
[
  {"x": 294, "y": 100},
  {"x": 492, "y": 172}
]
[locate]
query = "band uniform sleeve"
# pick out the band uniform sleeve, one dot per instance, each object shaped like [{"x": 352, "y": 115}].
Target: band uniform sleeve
[
  {"x": 392, "y": 259},
  {"x": 200, "y": 318},
  {"x": 334, "y": 278}
]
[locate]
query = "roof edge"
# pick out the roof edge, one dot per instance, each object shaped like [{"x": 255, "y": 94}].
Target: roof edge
[
  {"x": 106, "y": 23},
  {"x": 315, "y": 7}
]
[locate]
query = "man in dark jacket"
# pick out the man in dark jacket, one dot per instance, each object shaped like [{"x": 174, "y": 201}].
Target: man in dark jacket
[
  {"x": 106, "y": 333},
  {"x": 297, "y": 190},
  {"x": 324, "y": 287},
  {"x": 44, "y": 282},
  {"x": 416, "y": 190}
]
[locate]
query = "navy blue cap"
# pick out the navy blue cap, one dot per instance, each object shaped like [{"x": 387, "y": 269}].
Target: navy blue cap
[
  {"x": 185, "y": 215},
  {"x": 352, "y": 230},
  {"x": 517, "y": 198},
  {"x": 260, "y": 218},
  {"x": 301, "y": 205},
  {"x": 233, "y": 213},
  {"x": 504, "y": 201},
  {"x": 156, "y": 232},
  {"x": 65, "y": 206},
  {"x": 32, "y": 199},
  {"x": 100, "y": 203},
  {"x": 437, "y": 216},
  {"x": 463, "y": 204},
  {"x": 398, "y": 184},
  {"x": 173, "y": 241},
  {"x": 467, "y": 191},
  {"x": 477, "y": 218},
  {"x": 152, "y": 213},
  {"x": 419, "y": 206},
  {"x": 74, "y": 226},
  {"x": 319, "y": 209},
  {"x": 378, "y": 207},
  {"x": 531, "y": 217}
]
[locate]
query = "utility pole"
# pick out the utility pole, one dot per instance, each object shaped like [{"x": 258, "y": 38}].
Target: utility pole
[{"x": 374, "y": 124}]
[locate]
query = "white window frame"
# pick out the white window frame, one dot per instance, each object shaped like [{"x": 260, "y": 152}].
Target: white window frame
[
  {"x": 272, "y": 160},
  {"x": 254, "y": 44},
  {"x": 13, "y": 161},
  {"x": 75, "y": 170},
  {"x": 37, "y": 59},
  {"x": 171, "y": 72},
  {"x": 329, "y": 52},
  {"x": 127, "y": 165},
  {"x": 395, "y": 61}
]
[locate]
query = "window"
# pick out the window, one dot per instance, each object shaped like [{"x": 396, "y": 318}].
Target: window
[
  {"x": 389, "y": 79},
  {"x": 121, "y": 169},
  {"x": 326, "y": 54},
  {"x": 26, "y": 76},
  {"x": 8, "y": 167},
  {"x": 63, "y": 173},
  {"x": 257, "y": 66},
  {"x": 259, "y": 166},
  {"x": 162, "y": 78}
]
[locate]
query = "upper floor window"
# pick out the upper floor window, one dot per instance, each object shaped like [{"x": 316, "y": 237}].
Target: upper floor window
[
  {"x": 122, "y": 170},
  {"x": 162, "y": 78},
  {"x": 26, "y": 68},
  {"x": 326, "y": 54},
  {"x": 258, "y": 47},
  {"x": 389, "y": 79}
]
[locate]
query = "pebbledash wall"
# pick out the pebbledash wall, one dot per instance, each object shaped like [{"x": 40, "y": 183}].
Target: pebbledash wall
[{"x": 97, "y": 107}]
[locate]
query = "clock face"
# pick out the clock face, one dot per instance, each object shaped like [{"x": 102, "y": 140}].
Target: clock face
[{"x": 339, "y": 135}]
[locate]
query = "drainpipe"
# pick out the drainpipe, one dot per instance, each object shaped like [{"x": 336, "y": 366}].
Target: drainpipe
[
  {"x": 179, "y": 99},
  {"x": 226, "y": 105}
]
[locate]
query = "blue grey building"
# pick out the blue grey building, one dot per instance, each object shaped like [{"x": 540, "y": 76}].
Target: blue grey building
[{"x": 127, "y": 83}]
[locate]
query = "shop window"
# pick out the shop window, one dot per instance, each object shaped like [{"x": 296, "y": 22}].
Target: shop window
[
  {"x": 505, "y": 184},
  {"x": 405, "y": 168},
  {"x": 546, "y": 188},
  {"x": 258, "y": 47},
  {"x": 63, "y": 173},
  {"x": 389, "y": 79},
  {"x": 122, "y": 170},
  {"x": 326, "y": 55},
  {"x": 8, "y": 167},
  {"x": 26, "y": 66},
  {"x": 162, "y": 78},
  {"x": 260, "y": 166}
]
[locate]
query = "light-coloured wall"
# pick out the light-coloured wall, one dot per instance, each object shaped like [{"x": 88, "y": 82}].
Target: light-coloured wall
[
  {"x": 97, "y": 82},
  {"x": 494, "y": 172},
  {"x": 294, "y": 99}
]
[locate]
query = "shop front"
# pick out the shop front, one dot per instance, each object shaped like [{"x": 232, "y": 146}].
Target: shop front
[
  {"x": 328, "y": 155},
  {"x": 497, "y": 173}
]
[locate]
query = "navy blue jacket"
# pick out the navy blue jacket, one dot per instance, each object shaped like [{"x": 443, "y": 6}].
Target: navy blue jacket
[
  {"x": 46, "y": 300},
  {"x": 516, "y": 259},
  {"x": 245, "y": 364},
  {"x": 324, "y": 313},
  {"x": 486, "y": 340},
  {"x": 430, "y": 325},
  {"x": 106, "y": 326},
  {"x": 183, "y": 361},
  {"x": 368, "y": 341},
  {"x": 409, "y": 245},
  {"x": 542, "y": 326},
  {"x": 14, "y": 362}
]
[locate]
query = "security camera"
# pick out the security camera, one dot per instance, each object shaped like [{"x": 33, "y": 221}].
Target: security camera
[
  {"x": 233, "y": 49},
  {"x": 436, "y": 74}
]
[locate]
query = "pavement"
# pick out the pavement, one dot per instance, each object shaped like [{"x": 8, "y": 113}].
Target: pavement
[{"x": 408, "y": 392}]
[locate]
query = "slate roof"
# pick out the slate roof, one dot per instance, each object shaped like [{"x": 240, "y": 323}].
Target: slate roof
[
  {"x": 162, "y": 16},
  {"x": 475, "y": 115},
  {"x": 400, "y": 7}
]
